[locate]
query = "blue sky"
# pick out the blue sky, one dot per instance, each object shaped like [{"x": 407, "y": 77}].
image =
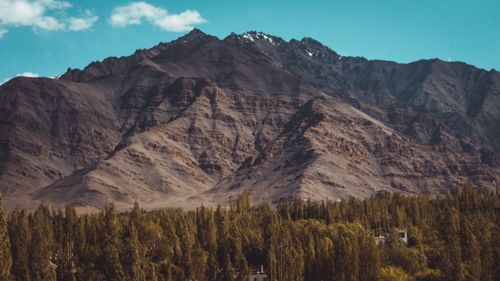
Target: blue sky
[{"x": 46, "y": 37}]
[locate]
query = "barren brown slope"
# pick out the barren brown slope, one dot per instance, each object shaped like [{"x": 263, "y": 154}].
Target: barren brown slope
[{"x": 199, "y": 120}]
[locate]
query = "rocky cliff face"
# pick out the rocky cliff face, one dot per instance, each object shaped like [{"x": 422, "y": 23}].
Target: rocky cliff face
[{"x": 200, "y": 120}]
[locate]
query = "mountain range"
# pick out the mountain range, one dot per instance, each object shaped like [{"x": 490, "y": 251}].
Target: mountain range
[{"x": 199, "y": 120}]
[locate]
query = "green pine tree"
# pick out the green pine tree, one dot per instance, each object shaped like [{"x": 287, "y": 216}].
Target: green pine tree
[
  {"x": 20, "y": 236},
  {"x": 111, "y": 231},
  {"x": 134, "y": 256},
  {"x": 42, "y": 264},
  {"x": 5, "y": 250}
]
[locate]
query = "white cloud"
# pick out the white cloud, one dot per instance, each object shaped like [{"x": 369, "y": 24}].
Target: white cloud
[
  {"x": 41, "y": 14},
  {"x": 31, "y": 13},
  {"x": 135, "y": 13},
  {"x": 28, "y": 74},
  {"x": 3, "y": 31},
  {"x": 77, "y": 24},
  {"x": 24, "y": 74}
]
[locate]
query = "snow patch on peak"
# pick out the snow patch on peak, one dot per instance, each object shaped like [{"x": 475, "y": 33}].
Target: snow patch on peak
[
  {"x": 265, "y": 37},
  {"x": 248, "y": 37},
  {"x": 254, "y": 36}
]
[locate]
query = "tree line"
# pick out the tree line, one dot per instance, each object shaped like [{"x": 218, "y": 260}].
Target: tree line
[{"x": 453, "y": 237}]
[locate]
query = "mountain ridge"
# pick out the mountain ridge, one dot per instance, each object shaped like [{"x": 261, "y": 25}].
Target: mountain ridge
[{"x": 200, "y": 119}]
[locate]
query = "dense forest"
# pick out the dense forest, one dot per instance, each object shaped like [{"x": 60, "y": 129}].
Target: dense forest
[{"x": 452, "y": 237}]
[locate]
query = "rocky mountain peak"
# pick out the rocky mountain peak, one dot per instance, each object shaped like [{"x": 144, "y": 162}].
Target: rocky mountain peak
[
  {"x": 316, "y": 49},
  {"x": 195, "y": 34}
]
